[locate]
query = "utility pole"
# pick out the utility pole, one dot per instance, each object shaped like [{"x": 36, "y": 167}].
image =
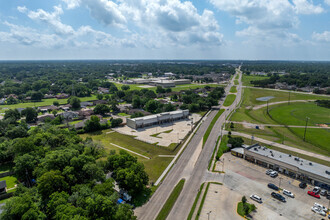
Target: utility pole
[
  {"x": 289, "y": 97},
  {"x": 267, "y": 107},
  {"x": 305, "y": 128},
  {"x": 208, "y": 215}
]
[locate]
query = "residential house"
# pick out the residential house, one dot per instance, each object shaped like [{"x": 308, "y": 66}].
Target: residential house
[
  {"x": 62, "y": 96},
  {"x": 103, "y": 90},
  {"x": 85, "y": 104},
  {"x": 97, "y": 102},
  {"x": 69, "y": 115},
  {"x": 42, "y": 118}
]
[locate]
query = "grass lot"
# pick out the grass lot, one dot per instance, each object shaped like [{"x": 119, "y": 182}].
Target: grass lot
[
  {"x": 209, "y": 129},
  {"x": 294, "y": 114},
  {"x": 229, "y": 100},
  {"x": 236, "y": 82},
  {"x": 123, "y": 114},
  {"x": 233, "y": 89},
  {"x": 154, "y": 167},
  {"x": 240, "y": 209},
  {"x": 6, "y": 167},
  {"x": 247, "y": 78},
  {"x": 44, "y": 102},
  {"x": 316, "y": 139},
  {"x": 170, "y": 201},
  {"x": 10, "y": 180},
  {"x": 223, "y": 146},
  {"x": 237, "y": 76}
]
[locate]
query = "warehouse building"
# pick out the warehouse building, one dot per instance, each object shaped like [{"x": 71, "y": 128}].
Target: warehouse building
[
  {"x": 182, "y": 81},
  {"x": 295, "y": 167},
  {"x": 157, "y": 119}
]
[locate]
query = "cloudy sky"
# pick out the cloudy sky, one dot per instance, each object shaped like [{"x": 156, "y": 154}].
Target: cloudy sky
[{"x": 165, "y": 29}]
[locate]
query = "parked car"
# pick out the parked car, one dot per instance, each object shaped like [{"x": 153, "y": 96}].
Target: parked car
[
  {"x": 273, "y": 186},
  {"x": 278, "y": 196},
  {"x": 273, "y": 174},
  {"x": 316, "y": 189},
  {"x": 311, "y": 193},
  {"x": 303, "y": 185},
  {"x": 318, "y": 211},
  {"x": 288, "y": 193},
  {"x": 323, "y": 192},
  {"x": 269, "y": 171},
  {"x": 256, "y": 198},
  {"x": 320, "y": 206}
]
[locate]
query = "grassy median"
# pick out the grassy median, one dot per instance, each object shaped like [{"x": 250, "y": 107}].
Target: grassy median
[
  {"x": 209, "y": 129},
  {"x": 171, "y": 201},
  {"x": 229, "y": 100}
]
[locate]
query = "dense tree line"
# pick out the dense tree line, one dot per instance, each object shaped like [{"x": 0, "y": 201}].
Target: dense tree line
[{"x": 62, "y": 178}]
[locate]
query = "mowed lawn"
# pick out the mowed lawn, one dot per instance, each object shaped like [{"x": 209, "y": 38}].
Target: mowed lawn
[
  {"x": 296, "y": 113},
  {"x": 44, "y": 102},
  {"x": 11, "y": 181},
  {"x": 154, "y": 166},
  {"x": 229, "y": 100},
  {"x": 233, "y": 89},
  {"x": 317, "y": 140},
  {"x": 251, "y": 94},
  {"x": 246, "y": 79}
]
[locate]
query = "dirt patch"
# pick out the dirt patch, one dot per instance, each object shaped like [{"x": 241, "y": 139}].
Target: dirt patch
[{"x": 323, "y": 125}]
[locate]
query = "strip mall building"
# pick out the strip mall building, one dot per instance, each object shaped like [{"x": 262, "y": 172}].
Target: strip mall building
[{"x": 304, "y": 170}]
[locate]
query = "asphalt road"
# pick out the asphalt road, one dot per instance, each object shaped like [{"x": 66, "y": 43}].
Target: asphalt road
[{"x": 184, "y": 203}]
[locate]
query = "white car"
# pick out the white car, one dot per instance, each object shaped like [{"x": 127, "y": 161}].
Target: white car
[
  {"x": 269, "y": 171},
  {"x": 256, "y": 198},
  {"x": 288, "y": 193},
  {"x": 320, "y": 207},
  {"x": 316, "y": 189},
  {"x": 273, "y": 174},
  {"x": 318, "y": 211}
]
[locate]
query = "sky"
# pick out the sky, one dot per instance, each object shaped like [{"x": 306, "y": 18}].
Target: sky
[{"x": 165, "y": 29}]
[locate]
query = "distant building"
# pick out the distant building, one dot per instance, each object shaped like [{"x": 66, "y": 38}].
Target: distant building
[
  {"x": 69, "y": 115},
  {"x": 169, "y": 74},
  {"x": 181, "y": 81},
  {"x": 42, "y": 118},
  {"x": 157, "y": 119},
  {"x": 62, "y": 96},
  {"x": 85, "y": 104},
  {"x": 103, "y": 90},
  {"x": 164, "y": 83}
]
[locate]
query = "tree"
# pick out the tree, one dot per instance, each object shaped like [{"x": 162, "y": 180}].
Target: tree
[
  {"x": 93, "y": 124},
  {"x": 99, "y": 96},
  {"x": 24, "y": 166},
  {"x": 116, "y": 122},
  {"x": 56, "y": 103},
  {"x": 136, "y": 102},
  {"x": 137, "y": 115},
  {"x": 101, "y": 109},
  {"x": 235, "y": 142},
  {"x": 12, "y": 114},
  {"x": 244, "y": 199},
  {"x": 37, "y": 96},
  {"x": 74, "y": 102},
  {"x": 51, "y": 182},
  {"x": 151, "y": 105},
  {"x": 160, "y": 89},
  {"x": 125, "y": 87},
  {"x": 30, "y": 114}
]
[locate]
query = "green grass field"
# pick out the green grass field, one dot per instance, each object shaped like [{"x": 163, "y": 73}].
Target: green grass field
[
  {"x": 209, "y": 129},
  {"x": 11, "y": 181},
  {"x": 233, "y": 89},
  {"x": 229, "y": 100},
  {"x": 294, "y": 114},
  {"x": 237, "y": 77},
  {"x": 236, "y": 82},
  {"x": 246, "y": 79},
  {"x": 154, "y": 167},
  {"x": 170, "y": 201},
  {"x": 44, "y": 102}
]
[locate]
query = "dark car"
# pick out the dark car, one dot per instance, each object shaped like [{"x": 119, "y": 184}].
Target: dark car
[
  {"x": 302, "y": 185},
  {"x": 273, "y": 186},
  {"x": 278, "y": 196}
]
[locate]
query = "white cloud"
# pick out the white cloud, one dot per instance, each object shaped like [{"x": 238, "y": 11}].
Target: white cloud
[
  {"x": 27, "y": 36},
  {"x": 171, "y": 20},
  {"x": 327, "y": 2},
  {"x": 325, "y": 36},
  {"x": 51, "y": 19},
  {"x": 306, "y": 7},
  {"x": 71, "y": 4}
]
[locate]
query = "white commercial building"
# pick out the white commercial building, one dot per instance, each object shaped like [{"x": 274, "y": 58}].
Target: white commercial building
[{"x": 156, "y": 119}]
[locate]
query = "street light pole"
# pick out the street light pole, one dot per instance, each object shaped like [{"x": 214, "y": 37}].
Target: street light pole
[
  {"x": 208, "y": 215},
  {"x": 305, "y": 128}
]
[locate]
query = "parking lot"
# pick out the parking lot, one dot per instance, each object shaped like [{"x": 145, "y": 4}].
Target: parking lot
[{"x": 245, "y": 178}]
